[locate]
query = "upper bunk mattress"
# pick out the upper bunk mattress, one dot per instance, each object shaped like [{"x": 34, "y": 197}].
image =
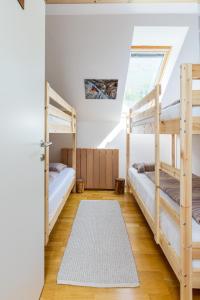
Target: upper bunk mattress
[
  {"x": 58, "y": 187},
  {"x": 173, "y": 111},
  {"x": 146, "y": 189}
]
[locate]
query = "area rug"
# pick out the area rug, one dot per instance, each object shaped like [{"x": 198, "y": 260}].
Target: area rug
[{"x": 98, "y": 252}]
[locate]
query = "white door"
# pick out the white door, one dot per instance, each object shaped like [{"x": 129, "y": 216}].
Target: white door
[{"x": 22, "y": 83}]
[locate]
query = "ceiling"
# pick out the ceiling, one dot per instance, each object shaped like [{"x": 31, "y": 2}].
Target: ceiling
[{"x": 118, "y": 1}]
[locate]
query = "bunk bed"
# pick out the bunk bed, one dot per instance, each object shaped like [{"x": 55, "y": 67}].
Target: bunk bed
[
  {"x": 164, "y": 216},
  {"x": 60, "y": 117}
]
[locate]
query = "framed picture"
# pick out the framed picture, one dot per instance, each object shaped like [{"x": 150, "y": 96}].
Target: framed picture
[
  {"x": 101, "y": 88},
  {"x": 21, "y": 2}
]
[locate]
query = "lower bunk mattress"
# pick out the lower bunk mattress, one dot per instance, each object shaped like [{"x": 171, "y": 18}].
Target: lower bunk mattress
[
  {"x": 146, "y": 190},
  {"x": 59, "y": 185}
]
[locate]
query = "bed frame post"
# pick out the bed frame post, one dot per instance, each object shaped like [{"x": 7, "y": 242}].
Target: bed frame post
[
  {"x": 46, "y": 168},
  {"x": 186, "y": 183},
  {"x": 128, "y": 149},
  {"x": 157, "y": 161},
  {"x": 74, "y": 146},
  {"x": 173, "y": 150}
]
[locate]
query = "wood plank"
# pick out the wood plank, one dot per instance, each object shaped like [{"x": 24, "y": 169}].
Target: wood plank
[
  {"x": 195, "y": 71},
  {"x": 172, "y": 171},
  {"x": 195, "y": 125},
  {"x": 115, "y": 165},
  {"x": 102, "y": 169},
  {"x": 64, "y": 156},
  {"x": 56, "y": 112},
  {"x": 69, "y": 158},
  {"x": 90, "y": 168},
  {"x": 170, "y": 210},
  {"x": 78, "y": 163},
  {"x": 84, "y": 166},
  {"x": 157, "y": 163},
  {"x": 59, "y": 128},
  {"x": 170, "y": 126},
  {"x": 59, "y": 100},
  {"x": 96, "y": 169},
  {"x": 146, "y": 100},
  {"x": 196, "y": 98},
  {"x": 148, "y": 113},
  {"x": 109, "y": 171},
  {"x": 186, "y": 182}
]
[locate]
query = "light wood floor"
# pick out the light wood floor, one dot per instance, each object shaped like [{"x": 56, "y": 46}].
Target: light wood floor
[{"x": 157, "y": 280}]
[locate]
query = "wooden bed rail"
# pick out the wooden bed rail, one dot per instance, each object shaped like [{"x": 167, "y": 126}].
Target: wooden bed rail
[
  {"x": 172, "y": 171},
  {"x": 63, "y": 105}
]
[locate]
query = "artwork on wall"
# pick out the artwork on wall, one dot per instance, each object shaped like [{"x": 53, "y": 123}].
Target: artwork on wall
[
  {"x": 101, "y": 88},
  {"x": 21, "y": 2}
]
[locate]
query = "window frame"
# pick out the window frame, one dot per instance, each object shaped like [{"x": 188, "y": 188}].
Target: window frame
[{"x": 160, "y": 49}]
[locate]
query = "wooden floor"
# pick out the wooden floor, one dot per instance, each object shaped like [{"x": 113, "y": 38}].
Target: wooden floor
[{"x": 157, "y": 280}]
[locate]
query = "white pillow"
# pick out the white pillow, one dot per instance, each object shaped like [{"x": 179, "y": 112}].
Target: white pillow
[{"x": 56, "y": 167}]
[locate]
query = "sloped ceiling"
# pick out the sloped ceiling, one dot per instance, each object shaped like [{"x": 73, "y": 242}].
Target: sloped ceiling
[{"x": 78, "y": 48}]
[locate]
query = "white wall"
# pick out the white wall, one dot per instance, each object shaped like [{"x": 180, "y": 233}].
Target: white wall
[
  {"x": 98, "y": 46},
  {"x": 22, "y": 53}
]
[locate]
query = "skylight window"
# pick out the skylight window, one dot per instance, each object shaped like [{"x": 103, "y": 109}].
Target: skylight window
[{"x": 145, "y": 70}]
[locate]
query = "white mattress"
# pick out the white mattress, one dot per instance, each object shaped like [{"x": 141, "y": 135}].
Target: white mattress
[
  {"x": 58, "y": 187},
  {"x": 146, "y": 189},
  {"x": 56, "y": 120},
  {"x": 173, "y": 111}
]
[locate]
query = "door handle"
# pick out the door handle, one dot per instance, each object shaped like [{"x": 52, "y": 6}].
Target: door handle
[{"x": 45, "y": 144}]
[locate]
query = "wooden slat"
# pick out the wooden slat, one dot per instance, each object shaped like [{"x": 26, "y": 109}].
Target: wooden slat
[
  {"x": 195, "y": 125},
  {"x": 69, "y": 158},
  {"x": 186, "y": 182},
  {"x": 168, "y": 208},
  {"x": 84, "y": 166},
  {"x": 147, "y": 99},
  {"x": 78, "y": 163},
  {"x": 170, "y": 126},
  {"x": 90, "y": 164},
  {"x": 109, "y": 165},
  {"x": 196, "y": 278},
  {"x": 196, "y": 98},
  {"x": 64, "y": 156},
  {"x": 54, "y": 111},
  {"x": 196, "y": 250},
  {"x": 196, "y": 71},
  {"x": 170, "y": 254},
  {"x": 115, "y": 165},
  {"x": 148, "y": 113},
  {"x": 59, "y": 128},
  {"x": 60, "y": 101},
  {"x": 102, "y": 169},
  {"x": 172, "y": 171},
  {"x": 96, "y": 169}
]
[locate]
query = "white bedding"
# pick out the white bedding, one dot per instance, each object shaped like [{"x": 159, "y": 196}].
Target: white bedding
[
  {"x": 59, "y": 184},
  {"x": 173, "y": 112},
  {"x": 146, "y": 189},
  {"x": 56, "y": 120}
]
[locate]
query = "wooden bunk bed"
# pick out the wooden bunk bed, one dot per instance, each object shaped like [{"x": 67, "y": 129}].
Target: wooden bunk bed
[
  {"x": 146, "y": 118},
  {"x": 60, "y": 117}
]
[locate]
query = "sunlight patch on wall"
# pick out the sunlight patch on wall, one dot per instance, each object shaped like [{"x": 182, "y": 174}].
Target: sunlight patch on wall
[{"x": 113, "y": 134}]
